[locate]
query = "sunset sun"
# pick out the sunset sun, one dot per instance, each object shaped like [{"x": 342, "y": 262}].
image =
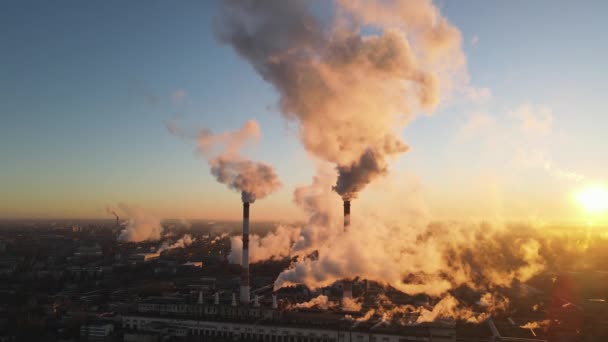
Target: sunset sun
[{"x": 593, "y": 199}]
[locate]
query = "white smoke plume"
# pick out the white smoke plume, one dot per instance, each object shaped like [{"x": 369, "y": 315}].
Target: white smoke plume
[
  {"x": 273, "y": 245},
  {"x": 253, "y": 179},
  {"x": 182, "y": 242},
  {"x": 494, "y": 302},
  {"x": 448, "y": 307},
  {"x": 351, "y": 81},
  {"x": 432, "y": 258},
  {"x": 140, "y": 226},
  {"x": 220, "y": 237},
  {"x": 537, "y": 325},
  {"x": 351, "y": 304},
  {"x": 319, "y": 302}
]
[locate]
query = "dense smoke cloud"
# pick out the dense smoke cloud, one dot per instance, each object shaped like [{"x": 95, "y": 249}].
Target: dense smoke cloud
[
  {"x": 349, "y": 91},
  {"x": 432, "y": 258},
  {"x": 320, "y": 302},
  {"x": 448, "y": 307},
  {"x": 274, "y": 245},
  {"x": 253, "y": 179},
  {"x": 140, "y": 225},
  {"x": 352, "y": 82}
]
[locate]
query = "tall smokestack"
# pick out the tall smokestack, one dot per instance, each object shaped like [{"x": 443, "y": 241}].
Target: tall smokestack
[
  {"x": 245, "y": 267},
  {"x": 346, "y": 214},
  {"x": 347, "y": 284}
]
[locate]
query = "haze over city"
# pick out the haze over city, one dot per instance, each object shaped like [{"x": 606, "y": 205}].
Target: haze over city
[
  {"x": 90, "y": 89},
  {"x": 295, "y": 170}
]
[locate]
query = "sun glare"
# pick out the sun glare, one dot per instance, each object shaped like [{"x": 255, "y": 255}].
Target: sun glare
[{"x": 593, "y": 199}]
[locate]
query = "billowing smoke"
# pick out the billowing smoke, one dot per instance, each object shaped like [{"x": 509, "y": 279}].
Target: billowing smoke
[
  {"x": 320, "y": 302},
  {"x": 448, "y": 307},
  {"x": 273, "y": 245},
  {"x": 431, "y": 258},
  {"x": 140, "y": 226},
  {"x": 351, "y": 81},
  {"x": 351, "y": 304},
  {"x": 182, "y": 242},
  {"x": 253, "y": 179}
]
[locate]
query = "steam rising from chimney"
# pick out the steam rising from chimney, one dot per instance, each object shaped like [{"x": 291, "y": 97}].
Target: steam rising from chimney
[
  {"x": 245, "y": 288},
  {"x": 182, "y": 242},
  {"x": 320, "y": 302},
  {"x": 252, "y": 179},
  {"x": 140, "y": 226},
  {"x": 111, "y": 211},
  {"x": 350, "y": 90}
]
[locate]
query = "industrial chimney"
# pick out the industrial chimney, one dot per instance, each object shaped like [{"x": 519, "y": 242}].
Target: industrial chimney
[
  {"x": 245, "y": 267},
  {"x": 347, "y": 284},
  {"x": 274, "y": 300},
  {"x": 346, "y": 214}
]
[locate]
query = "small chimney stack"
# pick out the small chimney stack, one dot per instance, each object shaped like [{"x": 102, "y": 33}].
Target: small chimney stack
[
  {"x": 244, "y": 297},
  {"x": 256, "y": 301},
  {"x": 275, "y": 305},
  {"x": 200, "y": 297},
  {"x": 216, "y": 298},
  {"x": 233, "y": 299}
]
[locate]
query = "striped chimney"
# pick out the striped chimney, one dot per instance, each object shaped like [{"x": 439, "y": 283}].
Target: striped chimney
[
  {"x": 245, "y": 267},
  {"x": 347, "y": 284},
  {"x": 346, "y": 214}
]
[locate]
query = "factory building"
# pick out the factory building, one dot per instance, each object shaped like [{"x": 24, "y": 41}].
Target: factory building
[
  {"x": 137, "y": 258},
  {"x": 226, "y": 319},
  {"x": 277, "y": 332}
]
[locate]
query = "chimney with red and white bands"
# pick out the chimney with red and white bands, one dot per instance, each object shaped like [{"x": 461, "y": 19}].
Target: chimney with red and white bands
[
  {"x": 347, "y": 284},
  {"x": 346, "y": 214},
  {"x": 245, "y": 267}
]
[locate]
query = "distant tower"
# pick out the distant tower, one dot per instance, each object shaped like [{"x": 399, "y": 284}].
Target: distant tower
[
  {"x": 216, "y": 298},
  {"x": 200, "y": 297},
  {"x": 245, "y": 267},
  {"x": 233, "y": 299}
]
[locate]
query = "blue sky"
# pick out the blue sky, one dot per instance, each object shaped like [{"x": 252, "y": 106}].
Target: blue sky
[{"x": 86, "y": 89}]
